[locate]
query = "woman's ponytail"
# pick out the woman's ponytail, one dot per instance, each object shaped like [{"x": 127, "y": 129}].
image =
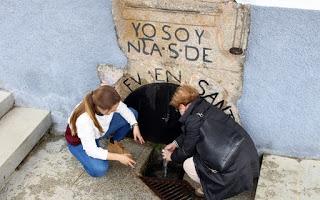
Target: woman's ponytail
[
  {"x": 89, "y": 108},
  {"x": 104, "y": 97}
]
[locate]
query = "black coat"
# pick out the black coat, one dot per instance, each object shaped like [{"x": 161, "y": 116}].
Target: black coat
[{"x": 238, "y": 176}]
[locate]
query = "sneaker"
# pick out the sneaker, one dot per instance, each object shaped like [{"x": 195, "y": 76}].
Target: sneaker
[
  {"x": 199, "y": 192},
  {"x": 117, "y": 147}
]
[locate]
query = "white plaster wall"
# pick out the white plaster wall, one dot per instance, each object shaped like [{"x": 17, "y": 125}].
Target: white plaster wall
[
  {"x": 49, "y": 51},
  {"x": 280, "y": 106},
  {"x": 300, "y": 4}
]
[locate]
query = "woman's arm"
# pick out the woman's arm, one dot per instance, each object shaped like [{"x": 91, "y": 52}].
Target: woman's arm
[
  {"x": 127, "y": 114},
  {"x": 86, "y": 134},
  {"x": 187, "y": 147},
  {"x": 123, "y": 158},
  {"x": 85, "y": 131}
]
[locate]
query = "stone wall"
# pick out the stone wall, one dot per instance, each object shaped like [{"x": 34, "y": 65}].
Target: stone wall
[
  {"x": 50, "y": 49},
  {"x": 183, "y": 42}
]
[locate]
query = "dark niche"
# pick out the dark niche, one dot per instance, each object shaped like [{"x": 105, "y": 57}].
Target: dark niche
[{"x": 158, "y": 121}]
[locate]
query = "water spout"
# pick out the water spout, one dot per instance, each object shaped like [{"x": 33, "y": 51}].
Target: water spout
[{"x": 165, "y": 168}]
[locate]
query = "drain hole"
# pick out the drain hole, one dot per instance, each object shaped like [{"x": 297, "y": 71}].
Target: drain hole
[{"x": 171, "y": 187}]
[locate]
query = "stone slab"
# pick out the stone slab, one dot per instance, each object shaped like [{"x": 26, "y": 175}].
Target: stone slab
[
  {"x": 51, "y": 172},
  {"x": 181, "y": 42},
  {"x": 20, "y": 130},
  {"x": 6, "y": 102},
  {"x": 288, "y": 178}
]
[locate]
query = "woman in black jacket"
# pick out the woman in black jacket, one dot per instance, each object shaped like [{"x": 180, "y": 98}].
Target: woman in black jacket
[{"x": 241, "y": 170}]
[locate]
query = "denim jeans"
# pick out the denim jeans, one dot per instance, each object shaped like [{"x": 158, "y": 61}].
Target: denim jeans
[{"x": 119, "y": 128}]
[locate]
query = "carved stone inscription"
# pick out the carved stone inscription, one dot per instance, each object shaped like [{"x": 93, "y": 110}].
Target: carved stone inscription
[
  {"x": 174, "y": 42},
  {"x": 198, "y": 42}
]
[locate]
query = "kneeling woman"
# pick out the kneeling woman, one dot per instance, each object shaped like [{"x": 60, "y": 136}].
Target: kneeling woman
[
  {"x": 188, "y": 149},
  {"x": 101, "y": 114}
]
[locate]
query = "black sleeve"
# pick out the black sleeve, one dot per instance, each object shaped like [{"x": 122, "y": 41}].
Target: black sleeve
[
  {"x": 180, "y": 139},
  {"x": 188, "y": 145}
]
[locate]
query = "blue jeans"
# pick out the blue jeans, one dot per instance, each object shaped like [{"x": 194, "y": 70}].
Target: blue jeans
[{"x": 119, "y": 128}]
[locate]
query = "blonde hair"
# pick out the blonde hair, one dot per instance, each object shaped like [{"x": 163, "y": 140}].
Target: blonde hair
[
  {"x": 103, "y": 97},
  {"x": 184, "y": 94}
]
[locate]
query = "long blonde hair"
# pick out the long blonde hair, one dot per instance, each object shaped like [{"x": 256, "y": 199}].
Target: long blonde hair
[{"x": 103, "y": 97}]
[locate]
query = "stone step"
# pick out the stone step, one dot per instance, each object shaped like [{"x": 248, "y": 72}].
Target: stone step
[
  {"x": 288, "y": 178},
  {"x": 6, "y": 102},
  {"x": 20, "y": 130}
]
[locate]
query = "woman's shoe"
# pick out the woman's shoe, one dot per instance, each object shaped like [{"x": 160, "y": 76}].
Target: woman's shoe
[
  {"x": 117, "y": 147},
  {"x": 199, "y": 192}
]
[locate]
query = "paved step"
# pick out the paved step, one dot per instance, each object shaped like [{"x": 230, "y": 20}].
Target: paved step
[
  {"x": 6, "y": 102},
  {"x": 20, "y": 130},
  {"x": 288, "y": 178}
]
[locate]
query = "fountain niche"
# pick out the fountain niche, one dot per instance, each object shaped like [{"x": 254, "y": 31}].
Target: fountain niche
[
  {"x": 169, "y": 43},
  {"x": 158, "y": 121}
]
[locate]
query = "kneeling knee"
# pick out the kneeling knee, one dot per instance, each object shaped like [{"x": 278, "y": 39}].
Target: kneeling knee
[
  {"x": 187, "y": 164},
  {"x": 98, "y": 171}
]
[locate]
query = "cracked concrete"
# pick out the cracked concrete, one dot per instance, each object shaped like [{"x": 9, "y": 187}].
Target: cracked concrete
[
  {"x": 51, "y": 172},
  {"x": 288, "y": 178}
]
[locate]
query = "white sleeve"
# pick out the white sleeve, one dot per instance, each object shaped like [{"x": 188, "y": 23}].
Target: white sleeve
[
  {"x": 85, "y": 131},
  {"x": 126, "y": 113}
]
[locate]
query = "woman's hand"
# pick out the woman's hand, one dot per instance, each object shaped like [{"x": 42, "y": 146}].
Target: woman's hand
[
  {"x": 166, "y": 155},
  {"x": 171, "y": 147},
  {"x": 127, "y": 160},
  {"x": 137, "y": 135}
]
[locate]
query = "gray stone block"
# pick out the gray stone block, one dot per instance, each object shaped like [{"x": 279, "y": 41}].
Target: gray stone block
[
  {"x": 20, "y": 130},
  {"x": 6, "y": 102},
  {"x": 284, "y": 178}
]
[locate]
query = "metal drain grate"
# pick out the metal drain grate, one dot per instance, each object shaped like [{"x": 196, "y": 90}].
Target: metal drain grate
[{"x": 170, "y": 189}]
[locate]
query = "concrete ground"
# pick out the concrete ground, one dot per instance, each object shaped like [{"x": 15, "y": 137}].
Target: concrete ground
[
  {"x": 288, "y": 178},
  {"x": 51, "y": 172}
]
